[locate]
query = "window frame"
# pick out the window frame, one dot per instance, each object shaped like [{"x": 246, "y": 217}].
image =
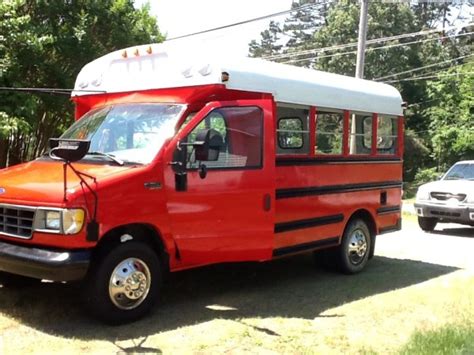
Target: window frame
[
  {"x": 262, "y": 139},
  {"x": 365, "y": 115},
  {"x": 345, "y": 122},
  {"x": 395, "y": 144},
  {"x": 302, "y": 132}
]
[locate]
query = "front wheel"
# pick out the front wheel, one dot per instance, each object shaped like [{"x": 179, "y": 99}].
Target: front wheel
[
  {"x": 124, "y": 285},
  {"x": 353, "y": 253},
  {"x": 427, "y": 224}
]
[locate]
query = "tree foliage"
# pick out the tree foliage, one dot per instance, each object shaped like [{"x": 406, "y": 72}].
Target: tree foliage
[
  {"x": 44, "y": 44},
  {"x": 437, "y": 134}
]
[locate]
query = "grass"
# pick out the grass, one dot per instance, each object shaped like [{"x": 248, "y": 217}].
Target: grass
[
  {"x": 395, "y": 306},
  {"x": 450, "y": 339}
]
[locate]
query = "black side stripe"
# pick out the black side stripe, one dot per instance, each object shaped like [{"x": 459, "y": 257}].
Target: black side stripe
[
  {"x": 394, "y": 228},
  {"x": 335, "y": 189},
  {"x": 306, "y": 246},
  {"x": 333, "y": 160},
  {"x": 388, "y": 210},
  {"x": 308, "y": 223}
]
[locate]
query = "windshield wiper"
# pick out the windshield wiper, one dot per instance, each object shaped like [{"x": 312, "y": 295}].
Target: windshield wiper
[{"x": 110, "y": 156}]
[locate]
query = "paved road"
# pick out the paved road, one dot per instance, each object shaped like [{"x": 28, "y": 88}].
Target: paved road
[{"x": 449, "y": 244}]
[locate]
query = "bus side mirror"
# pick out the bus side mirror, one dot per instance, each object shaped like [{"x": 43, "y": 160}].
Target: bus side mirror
[
  {"x": 208, "y": 145},
  {"x": 179, "y": 167},
  {"x": 68, "y": 150}
]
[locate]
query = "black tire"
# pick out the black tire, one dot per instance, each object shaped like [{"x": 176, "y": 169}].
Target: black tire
[
  {"x": 427, "y": 224},
  {"x": 353, "y": 253},
  {"x": 133, "y": 265},
  {"x": 16, "y": 281}
]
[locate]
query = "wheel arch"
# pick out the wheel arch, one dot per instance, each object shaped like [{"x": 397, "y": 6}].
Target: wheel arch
[{"x": 141, "y": 232}]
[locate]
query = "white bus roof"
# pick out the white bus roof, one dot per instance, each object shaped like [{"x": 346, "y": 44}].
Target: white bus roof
[{"x": 158, "y": 66}]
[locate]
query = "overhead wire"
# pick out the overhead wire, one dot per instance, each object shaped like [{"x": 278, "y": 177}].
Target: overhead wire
[
  {"x": 378, "y": 48},
  {"x": 423, "y": 67},
  {"x": 437, "y": 77},
  {"x": 371, "y": 41},
  {"x": 276, "y": 14},
  {"x": 46, "y": 90}
]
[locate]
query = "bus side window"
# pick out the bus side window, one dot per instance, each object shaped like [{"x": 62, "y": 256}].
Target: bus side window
[
  {"x": 360, "y": 138},
  {"x": 242, "y": 131},
  {"x": 329, "y": 133},
  {"x": 292, "y": 131},
  {"x": 387, "y": 134}
]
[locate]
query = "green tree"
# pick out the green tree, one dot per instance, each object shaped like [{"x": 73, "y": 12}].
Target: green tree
[
  {"x": 269, "y": 43},
  {"x": 452, "y": 118},
  {"x": 387, "y": 58},
  {"x": 45, "y": 44}
]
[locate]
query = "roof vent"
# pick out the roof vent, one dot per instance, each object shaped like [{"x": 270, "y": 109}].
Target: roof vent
[
  {"x": 205, "y": 70},
  {"x": 188, "y": 72}
]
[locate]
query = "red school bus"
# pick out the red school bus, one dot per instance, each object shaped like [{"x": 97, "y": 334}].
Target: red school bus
[{"x": 175, "y": 163}]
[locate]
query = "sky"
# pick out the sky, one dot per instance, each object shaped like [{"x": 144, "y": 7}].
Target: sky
[{"x": 180, "y": 17}]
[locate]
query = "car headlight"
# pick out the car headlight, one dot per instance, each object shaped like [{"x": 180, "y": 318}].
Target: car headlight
[
  {"x": 422, "y": 194},
  {"x": 64, "y": 221}
]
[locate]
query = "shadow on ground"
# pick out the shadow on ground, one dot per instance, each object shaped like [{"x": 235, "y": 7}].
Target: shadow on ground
[
  {"x": 455, "y": 231},
  {"x": 291, "y": 287}
]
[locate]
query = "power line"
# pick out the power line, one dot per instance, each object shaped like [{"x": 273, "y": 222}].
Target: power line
[
  {"x": 423, "y": 67},
  {"x": 438, "y": 71},
  {"x": 371, "y": 41},
  {"x": 423, "y": 102},
  {"x": 437, "y": 77},
  {"x": 303, "y": 7},
  {"x": 46, "y": 90},
  {"x": 376, "y": 48}
]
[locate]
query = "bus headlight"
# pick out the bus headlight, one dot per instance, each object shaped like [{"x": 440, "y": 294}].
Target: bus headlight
[
  {"x": 73, "y": 220},
  {"x": 53, "y": 220},
  {"x": 64, "y": 221}
]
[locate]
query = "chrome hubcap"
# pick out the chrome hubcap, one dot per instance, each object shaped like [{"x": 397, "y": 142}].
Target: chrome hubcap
[
  {"x": 129, "y": 283},
  {"x": 357, "y": 246}
]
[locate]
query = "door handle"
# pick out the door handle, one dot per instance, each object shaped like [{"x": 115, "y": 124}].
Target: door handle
[{"x": 267, "y": 202}]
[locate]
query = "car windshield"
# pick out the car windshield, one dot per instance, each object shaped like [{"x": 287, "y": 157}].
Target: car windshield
[
  {"x": 460, "y": 172},
  {"x": 132, "y": 133}
]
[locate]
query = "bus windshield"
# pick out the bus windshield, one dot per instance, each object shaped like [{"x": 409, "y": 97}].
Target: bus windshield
[{"x": 132, "y": 133}]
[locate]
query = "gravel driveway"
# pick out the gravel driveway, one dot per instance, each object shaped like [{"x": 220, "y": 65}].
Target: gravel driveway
[{"x": 450, "y": 245}]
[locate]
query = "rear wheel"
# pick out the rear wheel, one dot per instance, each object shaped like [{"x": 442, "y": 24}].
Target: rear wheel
[
  {"x": 353, "y": 253},
  {"x": 124, "y": 285},
  {"x": 427, "y": 224}
]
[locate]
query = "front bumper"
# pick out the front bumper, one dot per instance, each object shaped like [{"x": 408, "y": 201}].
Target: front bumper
[
  {"x": 456, "y": 214},
  {"x": 49, "y": 264}
]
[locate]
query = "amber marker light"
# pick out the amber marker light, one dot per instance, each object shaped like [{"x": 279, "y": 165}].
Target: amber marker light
[
  {"x": 149, "y": 50},
  {"x": 136, "y": 53},
  {"x": 124, "y": 54}
]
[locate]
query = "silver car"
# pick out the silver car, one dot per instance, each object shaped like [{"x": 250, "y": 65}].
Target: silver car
[{"x": 448, "y": 200}]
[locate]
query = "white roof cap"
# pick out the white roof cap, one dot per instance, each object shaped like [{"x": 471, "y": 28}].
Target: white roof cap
[{"x": 160, "y": 66}]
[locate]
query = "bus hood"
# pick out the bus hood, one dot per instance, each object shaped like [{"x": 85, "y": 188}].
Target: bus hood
[{"x": 42, "y": 181}]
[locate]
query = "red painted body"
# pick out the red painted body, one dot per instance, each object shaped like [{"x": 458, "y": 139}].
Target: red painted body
[{"x": 232, "y": 214}]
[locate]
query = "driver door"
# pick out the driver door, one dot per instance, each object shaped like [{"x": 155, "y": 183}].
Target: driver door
[{"x": 227, "y": 215}]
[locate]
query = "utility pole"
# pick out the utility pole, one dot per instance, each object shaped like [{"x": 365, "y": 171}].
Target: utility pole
[{"x": 364, "y": 4}]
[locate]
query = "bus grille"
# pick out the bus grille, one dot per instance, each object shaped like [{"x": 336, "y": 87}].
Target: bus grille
[{"x": 16, "y": 221}]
